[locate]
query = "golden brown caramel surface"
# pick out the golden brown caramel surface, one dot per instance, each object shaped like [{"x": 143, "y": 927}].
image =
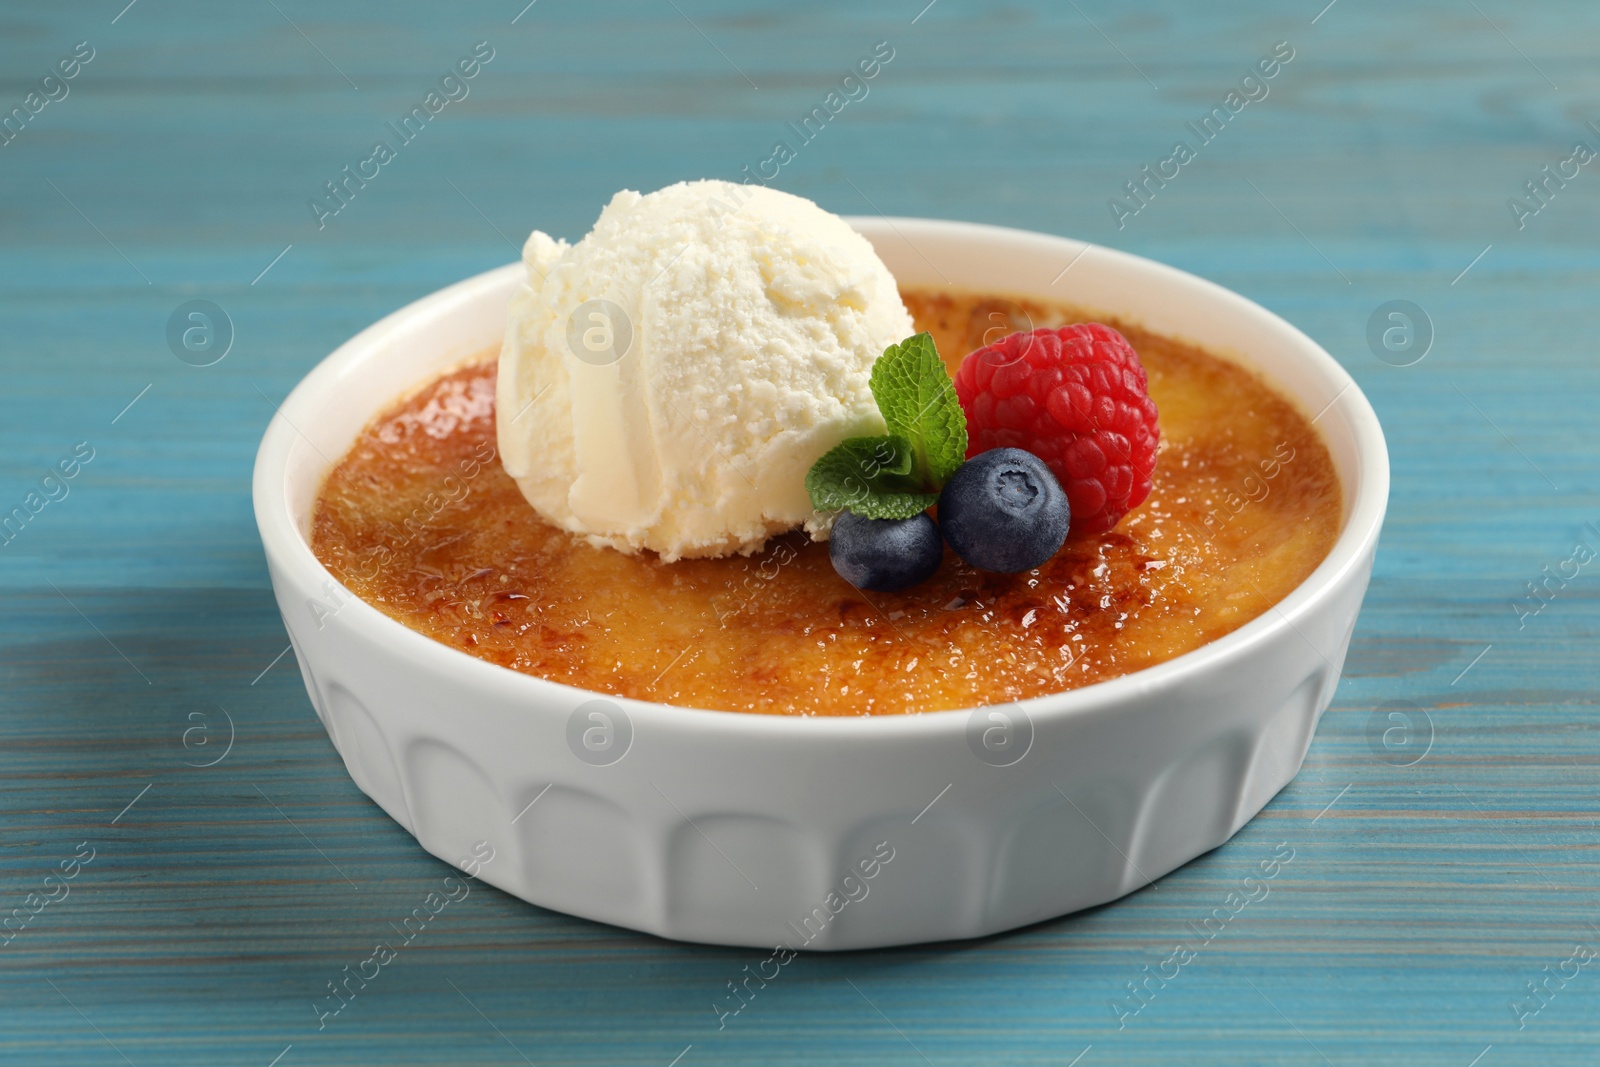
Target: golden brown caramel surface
[{"x": 419, "y": 520}]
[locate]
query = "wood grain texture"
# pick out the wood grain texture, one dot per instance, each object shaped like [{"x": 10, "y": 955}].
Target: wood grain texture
[{"x": 1421, "y": 898}]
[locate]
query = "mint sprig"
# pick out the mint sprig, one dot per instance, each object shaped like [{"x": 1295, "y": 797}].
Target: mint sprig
[{"x": 897, "y": 475}]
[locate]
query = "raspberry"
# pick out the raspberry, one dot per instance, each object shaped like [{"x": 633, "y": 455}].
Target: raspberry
[{"x": 1077, "y": 398}]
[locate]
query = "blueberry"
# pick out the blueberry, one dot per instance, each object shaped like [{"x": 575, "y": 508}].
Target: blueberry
[
  {"x": 881, "y": 555},
  {"x": 1004, "y": 511}
]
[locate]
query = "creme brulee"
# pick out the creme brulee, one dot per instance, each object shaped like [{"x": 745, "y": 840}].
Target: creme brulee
[{"x": 419, "y": 520}]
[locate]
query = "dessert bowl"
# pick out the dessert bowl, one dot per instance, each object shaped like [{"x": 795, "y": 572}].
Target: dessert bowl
[{"x": 824, "y": 832}]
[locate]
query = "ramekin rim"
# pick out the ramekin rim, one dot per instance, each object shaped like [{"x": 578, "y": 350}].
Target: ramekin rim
[{"x": 286, "y": 548}]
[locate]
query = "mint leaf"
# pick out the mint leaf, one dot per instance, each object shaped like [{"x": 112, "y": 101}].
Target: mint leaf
[
  {"x": 918, "y": 402},
  {"x": 872, "y": 476}
]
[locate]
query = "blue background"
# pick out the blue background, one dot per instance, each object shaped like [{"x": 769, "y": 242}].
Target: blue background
[{"x": 1433, "y": 876}]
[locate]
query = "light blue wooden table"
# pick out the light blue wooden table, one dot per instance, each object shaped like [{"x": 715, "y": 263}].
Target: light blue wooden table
[{"x": 1439, "y": 867}]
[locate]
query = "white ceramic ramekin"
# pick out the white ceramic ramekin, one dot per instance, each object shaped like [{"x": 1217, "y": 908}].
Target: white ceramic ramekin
[{"x": 824, "y": 833}]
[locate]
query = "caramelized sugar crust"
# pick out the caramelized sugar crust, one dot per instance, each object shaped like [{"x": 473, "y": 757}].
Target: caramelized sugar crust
[{"x": 419, "y": 520}]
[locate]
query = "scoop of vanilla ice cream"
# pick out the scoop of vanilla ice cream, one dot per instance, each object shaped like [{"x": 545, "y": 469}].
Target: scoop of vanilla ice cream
[{"x": 667, "y": 381}]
